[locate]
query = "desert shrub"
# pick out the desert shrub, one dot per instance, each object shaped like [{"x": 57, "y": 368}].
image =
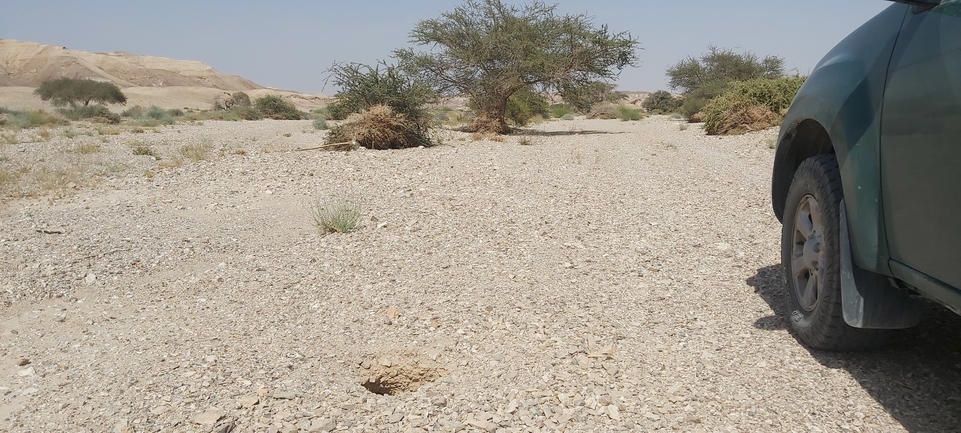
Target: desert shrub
[
  {"x": 379, "y": 127},
  {"x": 558, "y": 111},
  {"x": 568, "y": 116},
  {"x": 176, "y": 112},
  {"x": 626, "y": 113},
  {"x": 605, "y": 110},
  {"x": 28, "y": 118},
  {"x": 320, "y": 123},
  {"x": 750, "y": 105},
  {"x": 245, "y": 113},
  {"x": 196, "y": 151},
  {"x": 135, "y": 112},
  {"x": 337, "y": 111},
  {"x": 336, "y": 216},
  {"x": 523, "y": 106},
  {"x": 363, "y": 87},
  {"x": 273, "y": 107},
  {"x": 241, "y": 99},
  {"x": 93, "y": 112},
  {"x": 158, "y": 115},
  {"x": 661, "y": 102}
]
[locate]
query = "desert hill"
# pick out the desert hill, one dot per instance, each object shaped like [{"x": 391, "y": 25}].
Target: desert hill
[
  {"x": 145, "y": 80},
  {"x": 28, "y": 64}
]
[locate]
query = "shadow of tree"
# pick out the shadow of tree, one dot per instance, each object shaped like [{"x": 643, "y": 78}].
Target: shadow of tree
[
  {"x": 538, "y": 133},
  {"x": 916, "y": 376}
]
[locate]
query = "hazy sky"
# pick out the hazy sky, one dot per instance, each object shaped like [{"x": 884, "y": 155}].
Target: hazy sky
[{"x": 289, "y": 44}]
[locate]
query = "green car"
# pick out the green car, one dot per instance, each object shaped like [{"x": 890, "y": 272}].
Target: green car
[{"x": 867, "y": 179}]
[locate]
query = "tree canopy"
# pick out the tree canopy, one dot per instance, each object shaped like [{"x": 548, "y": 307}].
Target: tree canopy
[
  {"x": 63, "y": 91},
  {"x": 488, "y": 50},
  {"x": 720, "y": 66}
]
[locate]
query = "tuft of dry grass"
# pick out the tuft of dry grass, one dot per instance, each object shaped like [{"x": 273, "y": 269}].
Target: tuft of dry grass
[
  {"x": 336, "y": 216},
  {"x": 196, "y": 151},
  {"x": 87, "y": 148}
]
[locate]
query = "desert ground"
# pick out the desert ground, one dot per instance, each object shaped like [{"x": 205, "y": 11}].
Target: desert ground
[{"x": 580, "y": 275}]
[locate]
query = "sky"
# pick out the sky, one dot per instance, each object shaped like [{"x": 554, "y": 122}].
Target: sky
[{"x": 290, "y": 44}]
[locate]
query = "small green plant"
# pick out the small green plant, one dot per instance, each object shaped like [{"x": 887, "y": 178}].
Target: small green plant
[
  {"x": 320, "y": 123},
  {"x": 142, "y": 149},
  {"x": 567, "y": 117},
  {"x": 286, "y": 134},
  {"x": 626, "y": 113},
  {"x": 682, "y": 126},
  {"x": 525, "y": 141},
  {"x": 338, "y": 215}
]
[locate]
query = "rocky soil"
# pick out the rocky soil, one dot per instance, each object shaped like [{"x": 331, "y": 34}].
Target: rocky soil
[{"x": 580, "y": 276}]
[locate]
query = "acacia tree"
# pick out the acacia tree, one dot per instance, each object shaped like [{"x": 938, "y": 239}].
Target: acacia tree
[
  {"x": 63, "y": 91},
  {"x": 488, "y": 50},
  {"x": 720, "y": 66}
]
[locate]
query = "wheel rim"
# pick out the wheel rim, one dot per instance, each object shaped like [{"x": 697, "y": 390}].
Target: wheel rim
[{"x": 808, "y": 253}]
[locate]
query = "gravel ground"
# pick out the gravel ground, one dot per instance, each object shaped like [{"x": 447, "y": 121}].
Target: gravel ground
[{"x": 599, "y": 276}]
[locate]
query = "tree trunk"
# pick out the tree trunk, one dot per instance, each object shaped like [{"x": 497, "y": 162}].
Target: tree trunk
[{"x": 491, "y": 118}]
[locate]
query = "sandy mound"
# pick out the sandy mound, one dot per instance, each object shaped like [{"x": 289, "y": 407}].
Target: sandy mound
[{"x": 29, "y": 64}]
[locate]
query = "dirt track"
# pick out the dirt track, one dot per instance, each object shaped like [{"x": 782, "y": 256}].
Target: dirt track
[{"x": 611, "y": 276}]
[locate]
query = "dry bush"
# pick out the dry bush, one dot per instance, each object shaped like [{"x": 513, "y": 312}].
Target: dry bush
[
  {"x": 750, "y": 105},
  {"x": 747, "y": 119},
  {"x": 378, "y": 127}
]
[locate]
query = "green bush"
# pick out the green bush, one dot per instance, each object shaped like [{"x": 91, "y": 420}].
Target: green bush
[
  {"x": 273, "y": 107},
  {"x": 320, "y": 123},
  {"x": 337, "y": 111},
  {"x": 245, "y": 113},
  {"x": 241, "y": 99},
  {"x": 661, "y": 102},
  {"x": 750, "y": 105},
  {"x": 29, "y": 118},
  {"x": 362, "y": 87},
  {"x": 175, "y": 112},
  {"x": 90, "y": 112},
  {"x": 524, "y": 105},
  {"x": 135, "y": 112},
  {"x": 558, "y": 111},
  {"x": 626, "y": 113},
  {"x": 158, "y": 115}
]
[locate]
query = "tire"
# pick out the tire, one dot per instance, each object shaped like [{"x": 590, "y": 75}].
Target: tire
[{"x": 810, "y": 255}]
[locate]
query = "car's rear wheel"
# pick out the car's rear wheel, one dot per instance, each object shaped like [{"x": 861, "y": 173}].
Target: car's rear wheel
[{"x": 810, "y": 255}]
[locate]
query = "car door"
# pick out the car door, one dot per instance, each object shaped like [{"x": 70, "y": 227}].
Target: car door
[{"x": 921, "y": 146}]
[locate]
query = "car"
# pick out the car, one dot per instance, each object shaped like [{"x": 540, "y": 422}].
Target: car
[{"x": 867, "y": 180}]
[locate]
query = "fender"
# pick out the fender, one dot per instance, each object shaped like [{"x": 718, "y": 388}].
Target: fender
[{"x": 838, "y": 109}]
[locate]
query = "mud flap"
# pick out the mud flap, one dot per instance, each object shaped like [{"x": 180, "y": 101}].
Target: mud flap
[{"x": 871, "y": 300}]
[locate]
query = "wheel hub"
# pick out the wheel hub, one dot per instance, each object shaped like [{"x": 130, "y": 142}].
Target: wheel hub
[{"x": 808, "y": 253}]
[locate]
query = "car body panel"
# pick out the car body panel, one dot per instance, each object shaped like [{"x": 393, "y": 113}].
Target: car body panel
[
  {"x": 843, "y": 95},
  {"x": 921, "y": 146}
]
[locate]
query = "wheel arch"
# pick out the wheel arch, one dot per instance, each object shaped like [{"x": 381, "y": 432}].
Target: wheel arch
[{"x": 802, "y": 140}]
